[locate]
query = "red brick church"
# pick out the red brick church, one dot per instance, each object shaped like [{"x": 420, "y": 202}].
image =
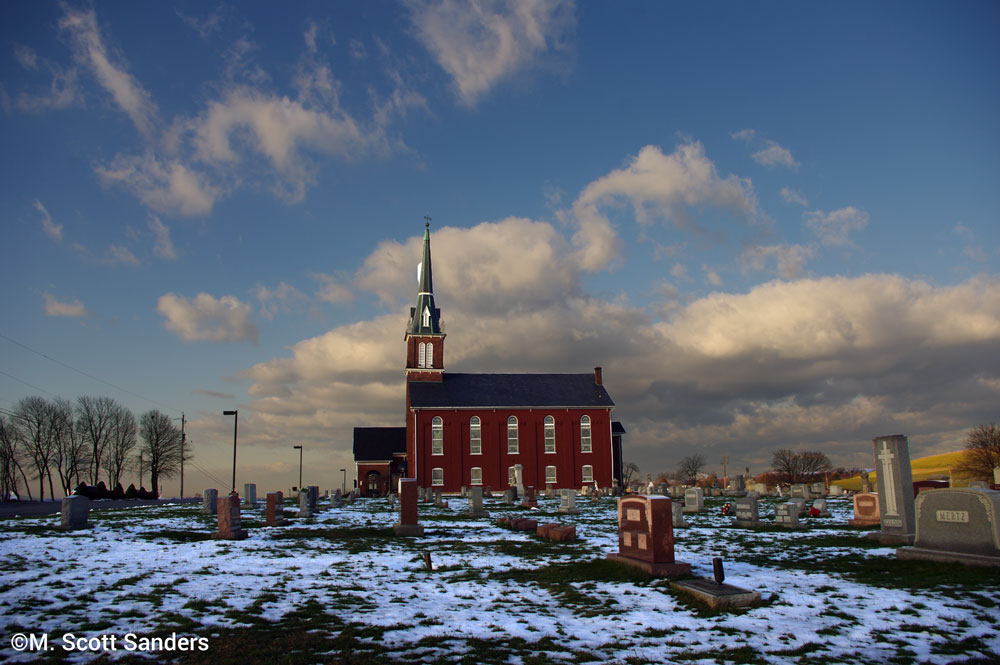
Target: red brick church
[{"x": 467, "y": 430}]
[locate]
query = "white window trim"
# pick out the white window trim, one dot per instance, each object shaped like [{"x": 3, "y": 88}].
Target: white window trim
[
  {"x": 590, "y": 436},
  {"x": 555, "y": 475},
  {"x": 437, "y": 482},
  {"x": 517, "y": 437},
  {"x": 583, "y": 473},
  {"x": 545, "y": 438},
  {"x": 479, "y": 427},
  {"x": 441, "y": 451},
  {"x": 472, "y": 480}
]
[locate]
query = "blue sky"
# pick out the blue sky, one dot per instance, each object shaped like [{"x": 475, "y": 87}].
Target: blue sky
[{"x": 773, "y": 224}]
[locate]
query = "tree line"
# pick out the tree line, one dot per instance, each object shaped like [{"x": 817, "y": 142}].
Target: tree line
[{"x": 58, "y": 442}]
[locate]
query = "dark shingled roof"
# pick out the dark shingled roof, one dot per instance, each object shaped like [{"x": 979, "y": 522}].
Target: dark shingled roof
[
  {"x": 510, "y": 390},
  {"x": 617, "y": 428},
  {"x": 378, "y": 443}
]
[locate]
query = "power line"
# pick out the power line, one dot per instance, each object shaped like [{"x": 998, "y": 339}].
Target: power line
[
  {"x": 81, "y": 372},
  {"x": 27, "y": 384},
  {"x": 195, "y": 465}
]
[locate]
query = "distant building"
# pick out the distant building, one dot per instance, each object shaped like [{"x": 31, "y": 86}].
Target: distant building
[{"x": 468, "y": 430}]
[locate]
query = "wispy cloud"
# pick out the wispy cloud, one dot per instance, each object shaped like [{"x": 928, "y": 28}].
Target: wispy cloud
[
  {"x": 834, "y": 228},
  {"x": 212, "y": 393},
  {"x": 121, "y": 254},
  {"x": 206, "y": 318},
  {"x": 481, "y": 43},
  {"x": 790, "y": 195},
  {"x": 166, "y": 186},
  {"x": 52, "y": 230},
  {"x": 56, "y": 307},
  {"x": 773, "y": 154},
  {"x": 789, "y": 260},
  {"x": 164, "y": 246}
]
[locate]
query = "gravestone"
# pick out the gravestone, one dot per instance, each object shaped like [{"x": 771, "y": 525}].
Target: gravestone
[
  {"x": 616, "y": 488},
  {"x": 464, "y": 493},
  {"x": 662, "y": 490},
  {"x": 747, "y": 515},
  {"x": 567, "y": 502},
  {"x": 210, "y": 501},
  {"x": 407, "y": 524},
  {"x": 74, "y": 513},
  {"x": 549, "y": 492},
  {"x": 476, "y": 503},
  {"x": 250, "y": 495},
  {"x": 787, "y": 515},
  {"x": 508, "y": 497},
  {"x": 895, "y": 490},
  {"x": 420, "y": 493},
  {"x": 819, "y": 505},
  {"x": 275, "y": 511},
  {"x": 437, "y": 498},
  {"x": 866, "y": 482},
  {"x": 957, "y": 524},
  {"x": 866, "y": 512},
  {"x": 313, "y": 498},
  {"x": 519, "y": 479},
  {"x": 996, "y": 475},
  {"x": 305, "y": 505},
  {"x": 753, "y": 494},
  {"x": 694, "y": 500},
  {"x": 836, "y": 490},
  {"x": 489, "y": 492},
  {"x": 817, "y": 490},
  {"x": 676, "y": 492},
  {"x": 739, "y": 484},
  {"x": 229, "y": 519},
  {"x": 529, "y": 498},
  {"x": 761, "y": 488},
  {"x": 800, "y": 504},
  {"x": 677, "y": 515},
  {"x": 646, "y": 536},
  {"x": 799, "y": 491},
  {"x": 337, "y": 500}
]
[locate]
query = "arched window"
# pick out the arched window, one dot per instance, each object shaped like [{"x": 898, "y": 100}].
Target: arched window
[
  {"x": 550, "y": 475},
  {"x": 437, "y": 477},
  {"x": 421, "y": 354},
  {"x": 550, "y": 434},
  {"x": 585, "y": 446},
  {"x": 429, "y": 359},
  {"x": 475, "y": 436},
  {"x": 476, "y": 476},
  {"x": 588, "y": 474},
  {"x": 512, "y": 448},
  {"x": 437, "y": 436}
]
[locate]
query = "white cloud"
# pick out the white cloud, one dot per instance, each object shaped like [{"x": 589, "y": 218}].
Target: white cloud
[
  {"x": 712, "y": 277},
  {"x": 790, "y": 260},
  {"x": 164, "y": 246},
  {"x": 282, "y": 297},
  {"x": 206, "y": 318},
  {"x": 481, "y": 43},
  {"x": 834, "y": 228},
  {"x": 52, "y": 230},
  {"x": 658, "y": 186},
  {"x": 793, "y": 196},
  {"x": 54, "y": 307},
  {"x": 89, "y": 50},
  {"x": 166, "y": 186},
  {"x": 678, "y": 271},
  {"x": 773, "y": 154},
  {"x": 332, "y": 290},
  {"x": 745, "y": 135},
  {"x": 121, "y": 254}
]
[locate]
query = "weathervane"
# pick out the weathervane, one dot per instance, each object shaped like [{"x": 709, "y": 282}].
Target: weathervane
[{"x": 427, "y": 221}]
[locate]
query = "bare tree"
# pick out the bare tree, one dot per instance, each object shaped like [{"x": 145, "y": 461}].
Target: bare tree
[
  {"x": 93, "y": 422},
  {"x": 121, "y": 442},
  {"x": 792, "y": 467},
  {"x": 161, "y": 445},
  {"x": 70, "y": 455},
  {"x": 10, "y": 463},
  {"x": 33, "y": 423},
  {"x": 629, "y": 470},
  {"x": 982, "y": 452},
  {"x": 690, "y": 467}
]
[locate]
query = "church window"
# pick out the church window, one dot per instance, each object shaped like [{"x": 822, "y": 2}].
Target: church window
[
  {"x": 585, "y": 445},
  {"x": 550, "y": 475},
  {"x": 437, "y": 477},
  {"x": 429, "y": 360},
  {"x": 588, "y": 474},
  {"x": 421, "y": 354},
  {"x": 475, "y": 436},
  {"x": 550, "y": 434},
  {"x": 476, "y": 476},
  {"x": 512, "y": 448},
  {"x": 437, "y": 436}
]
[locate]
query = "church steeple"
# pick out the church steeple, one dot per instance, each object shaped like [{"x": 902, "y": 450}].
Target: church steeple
[{"x": 424, "y": 339}]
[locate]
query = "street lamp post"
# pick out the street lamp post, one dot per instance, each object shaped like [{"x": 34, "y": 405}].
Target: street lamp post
[
  {"x": 300, "y": 466},
  {"x": 236, "y": 420},
  {"x": 343, "y": 486}
]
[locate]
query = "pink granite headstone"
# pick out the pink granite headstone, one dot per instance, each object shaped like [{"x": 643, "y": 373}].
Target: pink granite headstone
[
  {"x": 407, "y": 524},
  {"x": 275, "y": 514},
  {"x": 646, "y": 536},
  {"x": 229, "y": 519}
]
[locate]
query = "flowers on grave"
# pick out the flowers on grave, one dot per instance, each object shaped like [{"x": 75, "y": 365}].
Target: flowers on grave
[
  {"x": 814, "y": 512},
  {"x": 728, "y": 509}
]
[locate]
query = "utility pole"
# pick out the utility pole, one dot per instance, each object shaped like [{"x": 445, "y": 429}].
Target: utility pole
[
  {"x": 725, "y": 478},
  {"x": 183, "y": 439}
]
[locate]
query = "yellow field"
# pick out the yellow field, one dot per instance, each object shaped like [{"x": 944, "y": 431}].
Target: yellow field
[{"x": 933, "y": 467}]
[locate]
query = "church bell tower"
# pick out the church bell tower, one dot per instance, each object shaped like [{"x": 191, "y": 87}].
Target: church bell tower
[{"x": 424, "y": 339}]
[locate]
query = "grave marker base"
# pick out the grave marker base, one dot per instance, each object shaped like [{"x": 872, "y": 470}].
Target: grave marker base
[
  {"x": 864, "y": 522},
  {"x": 407, "y": 529},
  {"x": 893, "y": 538},
  {"x": 747, "y": 524},
  {"x": 718, "y": 596},
  {"x": 948, "y": 557},
  {"x": 676, "y": 569}
]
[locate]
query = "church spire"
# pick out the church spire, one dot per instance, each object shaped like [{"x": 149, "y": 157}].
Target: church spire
[{"x": 425, "y": 318}]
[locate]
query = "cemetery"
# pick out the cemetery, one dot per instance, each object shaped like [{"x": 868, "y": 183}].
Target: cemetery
[{"x": 483, "y": 580}]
